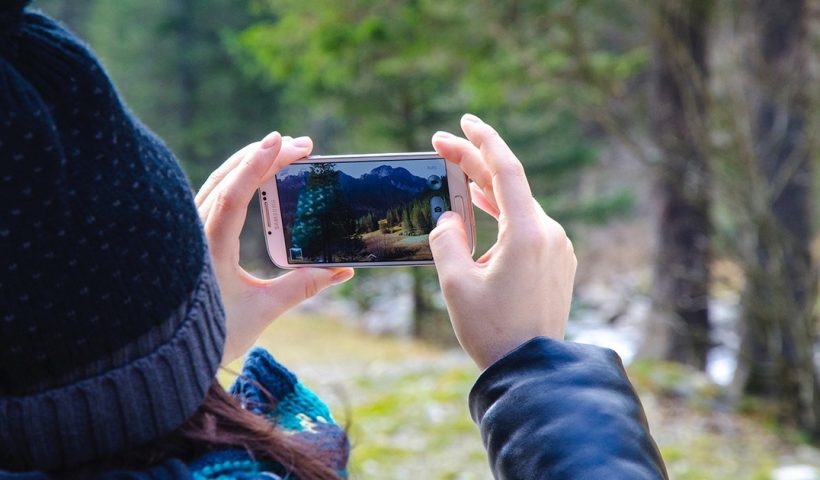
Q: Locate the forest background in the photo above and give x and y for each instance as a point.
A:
(676, 140)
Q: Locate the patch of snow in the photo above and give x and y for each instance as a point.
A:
(796, 472)
(721, 363)
(591, 326)
(620, 341)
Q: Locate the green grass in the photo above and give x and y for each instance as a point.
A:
(404, 402)
(405, 407)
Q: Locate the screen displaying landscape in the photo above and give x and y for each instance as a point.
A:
(372, 211)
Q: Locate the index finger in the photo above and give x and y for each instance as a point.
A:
(512, 191)
(464, 154)
(219, 174)
(227, 213)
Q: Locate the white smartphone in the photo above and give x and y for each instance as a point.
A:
(361, 210)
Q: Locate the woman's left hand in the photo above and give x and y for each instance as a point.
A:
(252, 303)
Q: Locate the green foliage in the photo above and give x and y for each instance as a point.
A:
(368, 66)
(595, 211)
(172, 63)
(212, 75)
(404, 405)
(383, 76)
(406, 224)
(366, 76)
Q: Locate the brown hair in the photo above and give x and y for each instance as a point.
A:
(222, 423)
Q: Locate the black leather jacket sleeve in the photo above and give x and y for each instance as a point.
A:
(562, 410)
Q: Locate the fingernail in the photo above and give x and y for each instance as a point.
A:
(471, 118)
(341, 277)
(301, 142)
(270, 140)
(445, 217)
(442, 134)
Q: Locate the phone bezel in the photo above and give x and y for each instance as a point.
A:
(458, 185)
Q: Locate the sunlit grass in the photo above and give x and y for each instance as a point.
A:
(404, 404)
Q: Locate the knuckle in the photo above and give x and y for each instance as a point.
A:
(486, 129)
(491, 132)
(505, 170)
(512, 167)
(459, 155)
(556, 231)
(481, 136)
(451, 285)
(539, 242)
(448, 282)
(535, 239)
(212, 179)
(253, 164)
(528, 241)
(311, 287)
(225, 200)
(441, 233)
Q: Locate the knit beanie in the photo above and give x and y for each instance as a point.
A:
(111, 323)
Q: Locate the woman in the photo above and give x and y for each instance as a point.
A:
(117, 306)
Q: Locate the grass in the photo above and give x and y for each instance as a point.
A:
(402, 401)
(394, 246)
(405, 407)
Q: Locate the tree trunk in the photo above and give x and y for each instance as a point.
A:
(680, 316)
(777, 351)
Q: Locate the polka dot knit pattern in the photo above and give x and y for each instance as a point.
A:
(110, 318)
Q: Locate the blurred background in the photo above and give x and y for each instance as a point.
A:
(677, 140)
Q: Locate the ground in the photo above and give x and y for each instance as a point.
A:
(396, 246)
(405, 407)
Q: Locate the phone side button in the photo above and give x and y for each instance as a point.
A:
(459, 205)
(461, 210)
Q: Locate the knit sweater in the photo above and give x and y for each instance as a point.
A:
(294, 408)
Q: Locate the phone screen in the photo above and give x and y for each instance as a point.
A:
(361, 211)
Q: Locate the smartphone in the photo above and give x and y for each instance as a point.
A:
(361, 210)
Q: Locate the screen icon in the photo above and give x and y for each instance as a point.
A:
(434, 182)
(436, 208)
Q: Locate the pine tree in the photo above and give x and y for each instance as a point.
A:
(406, 224)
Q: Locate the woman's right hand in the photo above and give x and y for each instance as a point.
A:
(521, 287)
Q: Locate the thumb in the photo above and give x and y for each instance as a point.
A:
(300, 284)
(448, 242)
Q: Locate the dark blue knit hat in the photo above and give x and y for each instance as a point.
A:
(111, 324)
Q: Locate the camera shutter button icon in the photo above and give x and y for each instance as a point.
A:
(436, 208)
